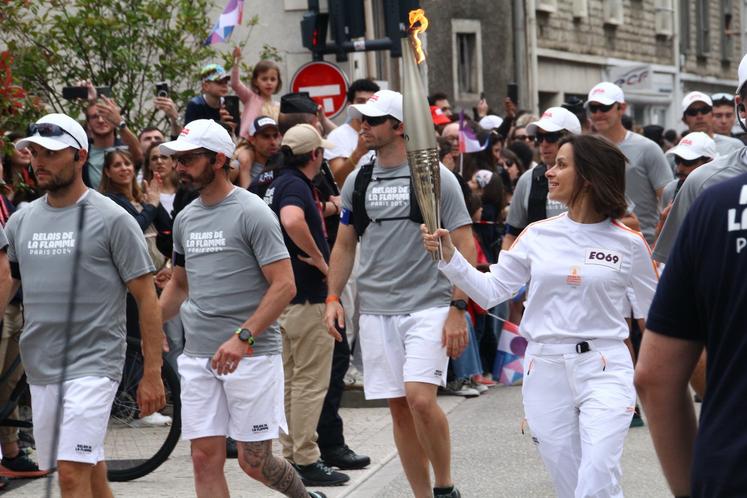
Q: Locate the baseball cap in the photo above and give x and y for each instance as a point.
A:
(303, 138)
(694, 145)
(742, 73)
(299, 102)
(556, 119)
(260, 124)
(693, 97)
(491, 122)
(213, 72)
(606, 93)
(201, 134)
(381, 103)
(438, 116)
(56, 132)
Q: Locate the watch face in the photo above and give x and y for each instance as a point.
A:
(244, 335)
(460, 304)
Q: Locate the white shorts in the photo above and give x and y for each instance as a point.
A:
(402, 348)
(246, 405)
(87, 405)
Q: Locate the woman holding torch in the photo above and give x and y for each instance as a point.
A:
(578, 374)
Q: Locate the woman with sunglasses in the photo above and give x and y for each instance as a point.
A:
(578, 374)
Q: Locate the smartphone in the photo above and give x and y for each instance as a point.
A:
(512, 91)
(104, 91)
(74, 92)
(232, 106)
(162, 89)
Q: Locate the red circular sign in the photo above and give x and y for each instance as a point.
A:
(326, 84)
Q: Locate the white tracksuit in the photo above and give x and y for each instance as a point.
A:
(578, 405)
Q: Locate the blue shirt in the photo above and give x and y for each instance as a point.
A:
(702, 297)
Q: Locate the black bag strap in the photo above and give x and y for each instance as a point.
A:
(537, 208)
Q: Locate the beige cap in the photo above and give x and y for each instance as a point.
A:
(304, 138)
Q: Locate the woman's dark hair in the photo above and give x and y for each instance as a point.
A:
(474, 202)
(294, 161)
(7, 162)
(523, 152)
(262, 67)
(493, 193)
(444, 147)
(600, 171)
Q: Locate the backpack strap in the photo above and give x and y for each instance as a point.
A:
(360, 216)
(537, 208)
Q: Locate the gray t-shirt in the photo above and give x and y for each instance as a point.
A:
(647, 171)
(113, 251)
(667, 195)
(257, 169)
(518, 212)
(396, 274)
(95, 165)
(716, 171)
(225, 247)
(726, 145)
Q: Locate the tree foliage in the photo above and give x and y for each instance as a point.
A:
(127, 45)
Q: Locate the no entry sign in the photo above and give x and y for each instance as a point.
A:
(326, 84)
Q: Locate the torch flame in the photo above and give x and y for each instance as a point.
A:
(418, 16)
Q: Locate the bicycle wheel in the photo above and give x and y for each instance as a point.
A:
(134, 449)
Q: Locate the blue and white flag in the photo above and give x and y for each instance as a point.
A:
(229, 19)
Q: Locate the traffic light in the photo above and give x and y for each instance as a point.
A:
(314, 31)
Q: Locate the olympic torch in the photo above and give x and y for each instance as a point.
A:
(420, 139)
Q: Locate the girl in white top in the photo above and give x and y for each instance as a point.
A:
(578, 374)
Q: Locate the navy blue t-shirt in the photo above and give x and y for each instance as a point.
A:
(198, 108)
(292, 188)
(702, 296)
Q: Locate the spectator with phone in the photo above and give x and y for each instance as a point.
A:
(165, 104)
(209, 104)
(107, 129)
(257, 98)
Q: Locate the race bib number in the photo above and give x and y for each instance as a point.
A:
(603, 257)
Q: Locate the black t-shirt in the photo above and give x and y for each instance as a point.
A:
(702, 296)
(327, 188)
(198, 108)
(292, 188)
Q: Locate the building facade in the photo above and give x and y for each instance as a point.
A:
(656, 50)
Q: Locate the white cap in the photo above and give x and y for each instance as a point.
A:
(381, 103)
(73, 135)
(303, 138)
(742, 73)
(556, 119)
(694, 145)
(606, 93)
(693, 97)
(201, 134)
(491, 122)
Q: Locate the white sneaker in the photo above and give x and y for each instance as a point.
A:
(153, 420)
(459, 388)
(480, 388)
(353, 377)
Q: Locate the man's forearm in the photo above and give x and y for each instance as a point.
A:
(171, 300)
(340, 266)
(151, 332)
(130, 140)
(300, 234)
(277, 297)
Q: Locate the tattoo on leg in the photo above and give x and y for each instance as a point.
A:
(277, 472)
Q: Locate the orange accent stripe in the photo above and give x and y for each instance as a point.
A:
(618, 224)
(532, 224)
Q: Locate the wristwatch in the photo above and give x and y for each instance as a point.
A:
(122, 125)
(245, 335)
(459, 304)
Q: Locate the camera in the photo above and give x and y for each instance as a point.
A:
(162, 89)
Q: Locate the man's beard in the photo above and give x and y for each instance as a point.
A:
(59, 182)
(199, 183)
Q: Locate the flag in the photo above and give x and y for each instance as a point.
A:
(508, 368)
(229, 19)
(468, 142)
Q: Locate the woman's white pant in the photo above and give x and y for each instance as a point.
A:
(578, 407)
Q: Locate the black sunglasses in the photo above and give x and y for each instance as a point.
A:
(687, 163)
(550, 138)
(187, 159)
(374, 120)
(51, 130)
(698, 110)
(594, 108)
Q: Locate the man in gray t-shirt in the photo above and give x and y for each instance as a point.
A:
(407, 326)
(44, 241)
(232, 278)
(648, 170)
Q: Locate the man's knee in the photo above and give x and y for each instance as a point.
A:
(208, 457)
(73, 475)
(253, 456)
(422, 402)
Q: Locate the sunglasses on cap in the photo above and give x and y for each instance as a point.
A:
(550, 138)
(687, 162)
(594, 107)
(51, 130)
(375, 120)
(698, 110)
(722, 98)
